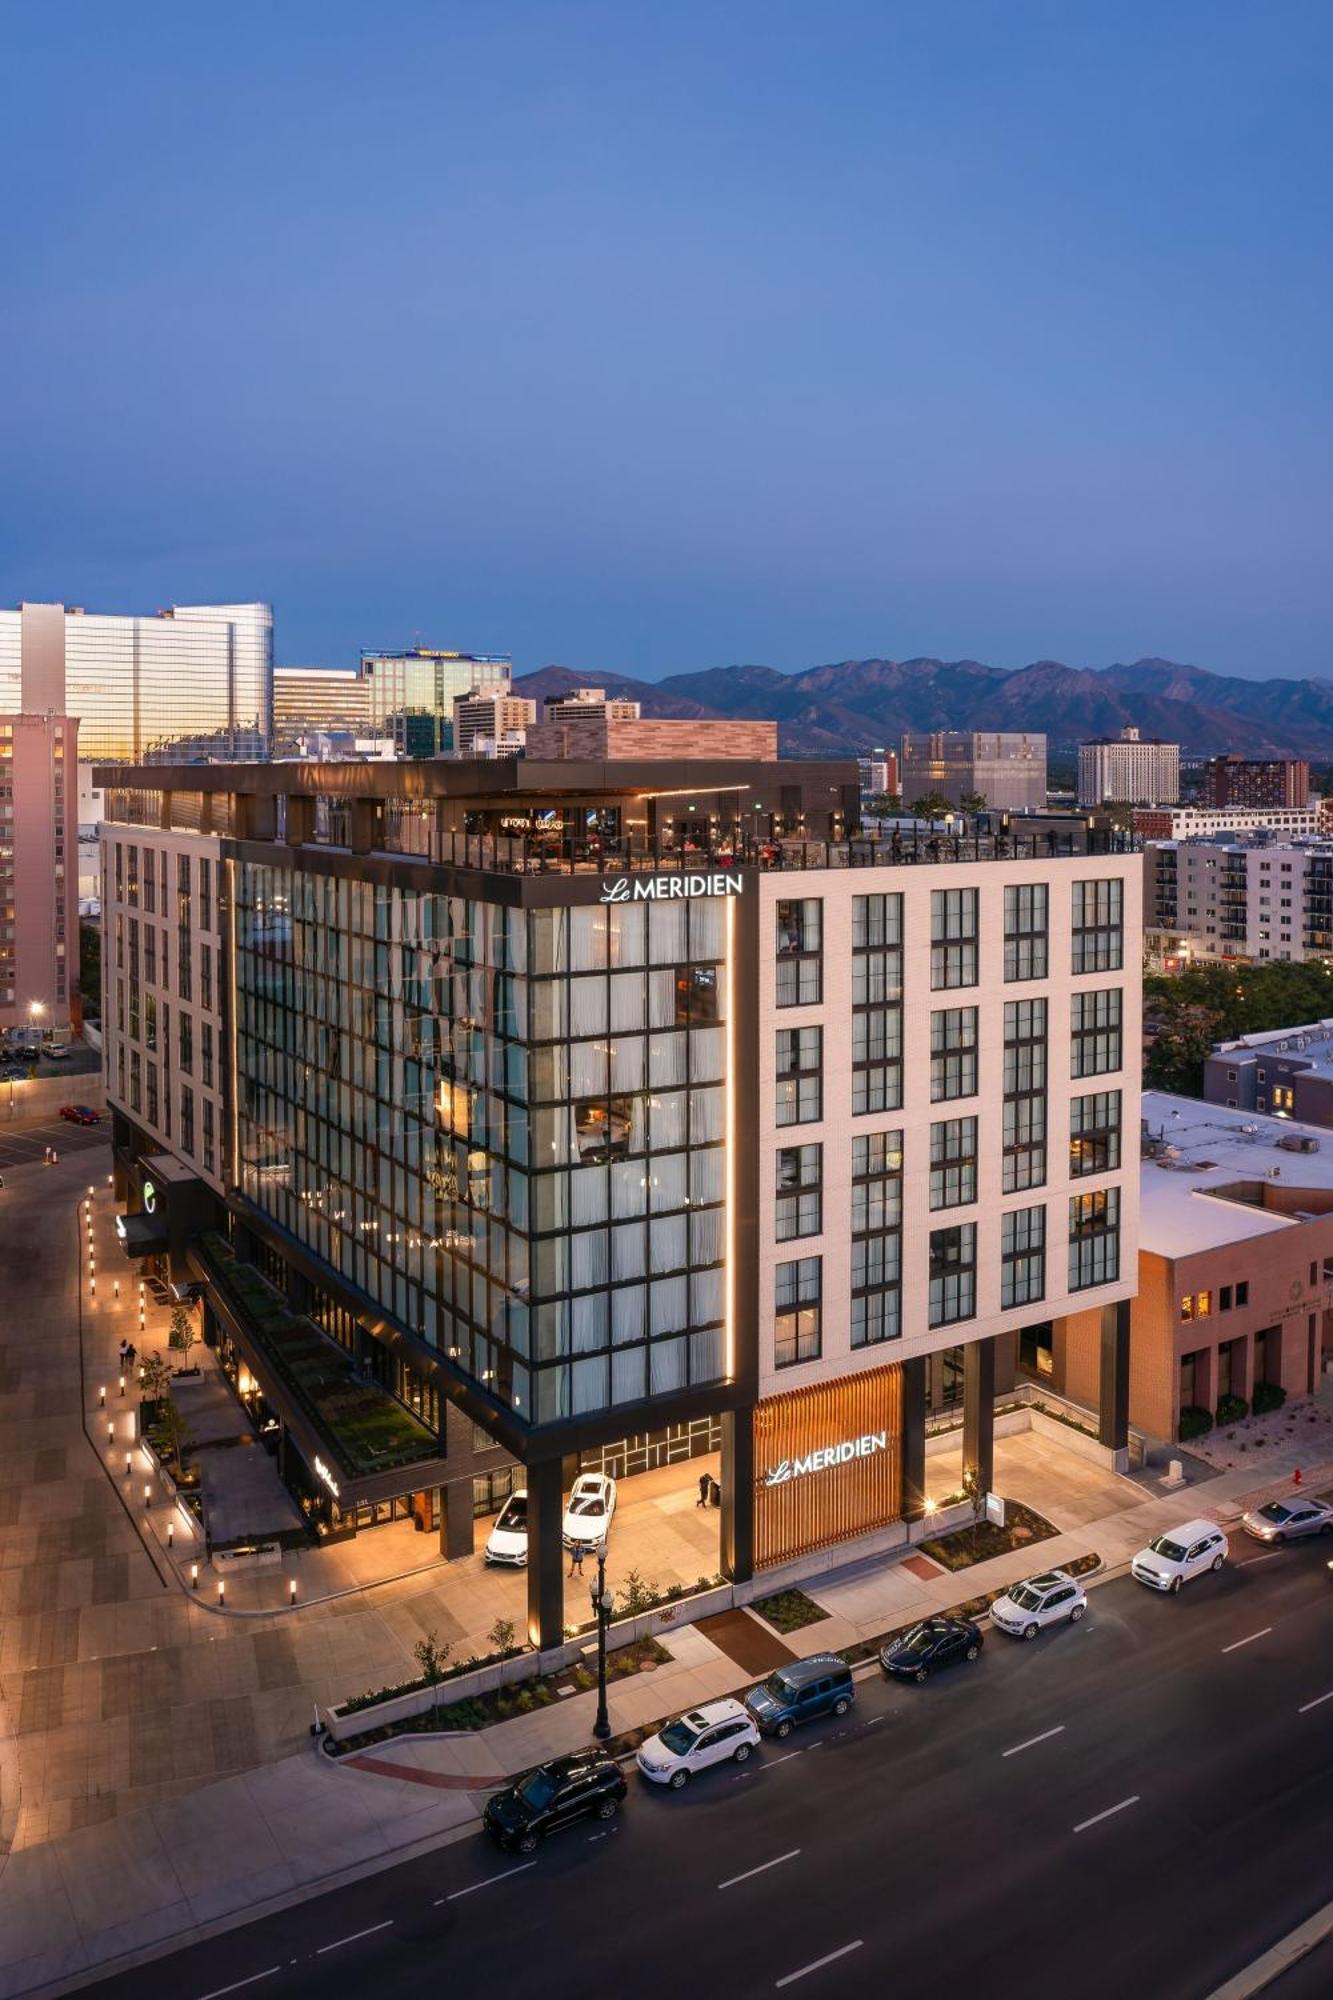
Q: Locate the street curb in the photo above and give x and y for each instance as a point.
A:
(1279, 1958)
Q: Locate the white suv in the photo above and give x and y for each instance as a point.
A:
(1173, 1558)
(717, 1732)
(1042, 1600)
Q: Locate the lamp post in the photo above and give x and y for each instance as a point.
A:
(601, 1604)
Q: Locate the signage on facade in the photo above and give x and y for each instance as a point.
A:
(322, 1472)
(826, 1457)
(149, 1197)
(670, 888)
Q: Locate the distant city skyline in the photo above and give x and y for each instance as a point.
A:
(641, 342)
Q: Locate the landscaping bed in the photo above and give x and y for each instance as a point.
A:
(480, 1711)
(789, 1610)
(980, 1541)
(972, 1607)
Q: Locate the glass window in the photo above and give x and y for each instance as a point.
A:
(799, 1201)
(800, 979)
(800, 1087)
(877, 1199)
(1094, 1133)
(1098, 926)
(1023, 1141)
(953, 937)
(953, 1053)
(1094, 1239)
(877, 995)
(797, 1311)
(1095, 1032)
(1025, 930)
(953, 1162)
(953, 1273)
(1022, 1257)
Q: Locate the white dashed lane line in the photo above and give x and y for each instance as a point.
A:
(815, 1964)
(1110, 1813)
(489, 1883)
(1318, 1702)
(1032, 1741)
(352, 1937)
(237, 1984)
(1248, 1640)
(762, 1869)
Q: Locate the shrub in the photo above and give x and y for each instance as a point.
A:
(1230, 1409)
(1268, 1396)
(1195, 1422)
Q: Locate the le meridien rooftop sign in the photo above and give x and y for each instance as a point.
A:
(827, 1457)
(670, 888)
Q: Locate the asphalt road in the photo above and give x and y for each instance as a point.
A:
(28, 1142)
(1140, 1804)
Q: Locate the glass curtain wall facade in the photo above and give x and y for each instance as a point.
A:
(506, 1126)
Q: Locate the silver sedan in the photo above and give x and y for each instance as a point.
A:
(1284, 1520)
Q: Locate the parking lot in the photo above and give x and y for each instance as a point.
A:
(29, 1142)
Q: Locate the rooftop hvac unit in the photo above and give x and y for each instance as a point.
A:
(1249, 1130)
(1297, 1142)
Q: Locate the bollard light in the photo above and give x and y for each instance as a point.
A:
(222, 1591)
(194, 1576)
(171, 1532)
(128, 1465)
(101, 1396)
(122, 1385)
(111, 1434)
(292, 1591)
(147, 1494)
(115, 1288)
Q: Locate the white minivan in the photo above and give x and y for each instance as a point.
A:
(1181, 1553)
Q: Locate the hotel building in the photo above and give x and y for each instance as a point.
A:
(1128, 770)
(39, 864)
(601, 1114)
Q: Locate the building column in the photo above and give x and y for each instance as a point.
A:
(737, 1542)
(914, 1437)
(457, 1524)
(1113, 1387)
(546, 1564)
(979, 1412)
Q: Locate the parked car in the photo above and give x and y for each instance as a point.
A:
(800, 1691)
(1285, 1520)
(1173, 1558)
(589, 1509)
(80, 1114)
(935, 1642)
(507, 1542)
(1043, 1600)
(718, 1733)
(554, 1795)
(55, 1051)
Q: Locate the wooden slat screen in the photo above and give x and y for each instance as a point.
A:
(829, 1502)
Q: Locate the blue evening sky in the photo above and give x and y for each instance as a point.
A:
(656, 337)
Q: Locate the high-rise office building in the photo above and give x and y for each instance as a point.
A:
(39, 862)
(587, 1121)
(1005, 768)
(494, 718)
(1128, 770)
(426, 681)
(1247, 782)
(200, 671)
(315, 699)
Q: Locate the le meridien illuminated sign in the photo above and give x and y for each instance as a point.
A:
(670, 888)
(322, 1472)
(827, 1457)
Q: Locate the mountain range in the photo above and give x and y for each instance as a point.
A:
(850, 706)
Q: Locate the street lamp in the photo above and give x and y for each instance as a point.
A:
(601, 1604)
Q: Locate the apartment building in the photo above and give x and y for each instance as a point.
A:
(1243, 901)
(1288, 1072)
(1208, 823)
(878, 773)
(202, 672)
(39, 869)
(1235, 1279)
(602, 1122)
(491, 722)
(1235, 781)
(1006, 769)
(1128, 770)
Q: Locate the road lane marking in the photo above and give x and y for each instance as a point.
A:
(504, 1876)
(771, 1764)
(815, 1965)
(236, 1986)
(1097, 1818)
(1235, 1645)
(1318, 1702)
(1045, 1737)
(762, 1869)
(1266, 1557)
(352, 1938)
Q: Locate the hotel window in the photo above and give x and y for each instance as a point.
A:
(1025, 930)
(800, 974)
(796, 1298)
(151, 1106)
(187, 1119)
(799, 1203)
(877, 1209)
(1094, 1133)
(149, 955)
(1094, 1239)
(208, 1135)
(1095, 1032)
(800, 1080)
(877, 1003)
(696, 996)
(150, 1022)
(1022, 1256)
(205, 896)
(953, 1274)
(136, 1067)
(1243, 1292)
(185, 1035)
(953, 1162)
(206, 975)
(953, 1053)
(1099, 939)
(206, 1053)
(1223, 1299)
(1024, 1110)
(953, 938)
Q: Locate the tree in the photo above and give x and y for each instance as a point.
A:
(184, 1331)
(973, 802)
(637, 1594)
(175, 1432)
(933, 806)
(975, 1493)
(433, 1658)
(156, 1376)
(501, 1635)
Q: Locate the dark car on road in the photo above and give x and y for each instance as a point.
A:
(80, 1114)
(935, 1642)
(552, 1796)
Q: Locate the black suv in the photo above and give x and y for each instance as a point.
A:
(554, 1795)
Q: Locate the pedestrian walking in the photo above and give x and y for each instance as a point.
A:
(124, 1352)
(704, 1482)
(714, 1493)
(130, 1353)
(576, 1555)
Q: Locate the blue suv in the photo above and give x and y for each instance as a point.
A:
(821, 1685)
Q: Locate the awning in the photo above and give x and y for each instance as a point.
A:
(142, 1235)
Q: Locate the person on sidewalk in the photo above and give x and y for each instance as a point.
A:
(576, 1555)
(124, 1353)
(704, 1483)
